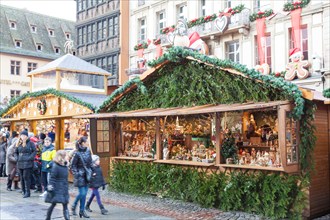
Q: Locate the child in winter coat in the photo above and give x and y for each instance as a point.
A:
(96, 182)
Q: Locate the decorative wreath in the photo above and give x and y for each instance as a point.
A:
(42, 106)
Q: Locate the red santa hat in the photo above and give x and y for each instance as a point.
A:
(193, 37)
(294, 51)
(34, 139)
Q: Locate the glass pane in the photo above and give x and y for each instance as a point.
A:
(99, 125)
(99, 135)
(106, 147)
(44, 81)
(82, 82)
(291, 140)
(106, 136)
(100, 147)
(105, 125)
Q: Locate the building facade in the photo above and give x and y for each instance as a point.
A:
(102, 36)
(28, 40)
(239, 41)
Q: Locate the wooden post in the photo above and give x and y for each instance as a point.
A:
(217, 137)
(62, 131)
(58, 138)
(159, 149)
(33, 126)
(58, 79)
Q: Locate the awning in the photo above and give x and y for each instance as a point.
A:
(186, 110)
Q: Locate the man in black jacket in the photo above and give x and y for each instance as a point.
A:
(25, 153)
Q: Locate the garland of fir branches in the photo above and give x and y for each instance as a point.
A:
(326, 93)
(290, 6)
(55, 92)
(176, 54)
(261, 14)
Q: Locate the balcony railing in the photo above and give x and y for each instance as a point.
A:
(236, 21)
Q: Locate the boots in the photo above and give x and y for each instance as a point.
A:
(87, 208)
(83, 214)
(66, 214)
(73, 209)
(103, 210)
(49, 212)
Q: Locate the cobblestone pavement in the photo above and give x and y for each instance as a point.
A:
(168, 207)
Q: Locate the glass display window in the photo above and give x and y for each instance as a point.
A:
(103, 136)
(291, 140)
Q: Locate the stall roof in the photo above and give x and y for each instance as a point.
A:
(70, 63)
(186, 110)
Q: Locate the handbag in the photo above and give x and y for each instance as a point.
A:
(87, 170)
(16, 177)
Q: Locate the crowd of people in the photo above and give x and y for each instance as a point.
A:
(34, 162)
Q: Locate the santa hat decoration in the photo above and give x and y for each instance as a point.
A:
(194, 39)
(294, 51)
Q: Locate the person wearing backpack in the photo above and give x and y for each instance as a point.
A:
(96, 182)
(47, 155)
(58, 186)
(82, 160)
(25, 153)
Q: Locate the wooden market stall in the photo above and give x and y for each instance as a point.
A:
(191, 110)
(66, 87)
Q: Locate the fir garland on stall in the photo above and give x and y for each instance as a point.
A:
(290, 6)
(52, 91)
(326, 93)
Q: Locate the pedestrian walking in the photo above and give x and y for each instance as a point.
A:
(25, 153)
(96, 182)
(81, 161)
(58, 186)
(3, 152)
(11, 162)
(47, 155)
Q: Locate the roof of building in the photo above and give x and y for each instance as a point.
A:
(93, 99)
(24, 21)
(70, 63)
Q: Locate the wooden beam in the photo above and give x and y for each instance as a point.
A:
(159, 149)
(217, 137)
(307, 94)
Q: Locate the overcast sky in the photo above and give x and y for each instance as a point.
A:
(65, 9)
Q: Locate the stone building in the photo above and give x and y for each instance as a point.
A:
(28, 41)
(102, 36)
(239, 41)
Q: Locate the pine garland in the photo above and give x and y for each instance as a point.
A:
(176, 54)
(143, 45)
(290, 6)
(326, 93)
(14, 102)
(261, 14)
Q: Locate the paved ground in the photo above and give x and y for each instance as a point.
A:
(121, 206)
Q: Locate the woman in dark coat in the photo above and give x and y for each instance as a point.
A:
(81, 157)
(3, 152)
(25, 154)
(58, 187)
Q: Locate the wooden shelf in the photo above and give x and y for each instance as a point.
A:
(184, 162)
(176, 140)
(251, 167)
(134, 131)
(133, 158)
(256, 146)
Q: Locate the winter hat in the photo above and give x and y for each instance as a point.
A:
(95, 158)
(24, 132)
(14, 134)
(42, 136)
(34, 139)
(294, 51)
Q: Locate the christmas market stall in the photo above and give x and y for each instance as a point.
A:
(217, 133)
(66, 87)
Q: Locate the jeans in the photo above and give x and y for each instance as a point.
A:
(98, 197)
(44, 179)
(81, 197)
(26, 179)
